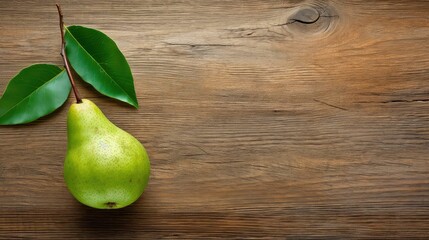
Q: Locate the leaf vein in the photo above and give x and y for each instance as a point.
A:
(32, 93)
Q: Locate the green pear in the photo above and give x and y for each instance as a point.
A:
(105, 166)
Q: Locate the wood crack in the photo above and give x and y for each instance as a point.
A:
(293, 20)
(331, 105)
(407, 101)
(193, 45)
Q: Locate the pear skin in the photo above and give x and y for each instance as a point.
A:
(105, 167)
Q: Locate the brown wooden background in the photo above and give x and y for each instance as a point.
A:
(263, 119)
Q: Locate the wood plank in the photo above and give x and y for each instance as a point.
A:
(262, 119)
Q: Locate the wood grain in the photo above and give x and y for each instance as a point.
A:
(263, 119)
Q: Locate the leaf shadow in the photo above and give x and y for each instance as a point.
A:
(99, 96)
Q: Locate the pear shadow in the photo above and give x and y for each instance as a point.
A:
(108, 223)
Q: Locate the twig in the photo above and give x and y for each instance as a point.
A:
(64, 56)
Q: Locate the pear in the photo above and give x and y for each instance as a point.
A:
(105, 167)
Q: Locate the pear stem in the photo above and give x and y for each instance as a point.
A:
(64, 56)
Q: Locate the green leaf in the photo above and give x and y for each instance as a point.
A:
(34, 92)
(99, 62)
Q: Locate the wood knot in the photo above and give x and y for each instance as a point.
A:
(316, 18)
(306, 15)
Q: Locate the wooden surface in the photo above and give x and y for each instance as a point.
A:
(262, 119)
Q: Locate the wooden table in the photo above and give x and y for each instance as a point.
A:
(262, 119)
